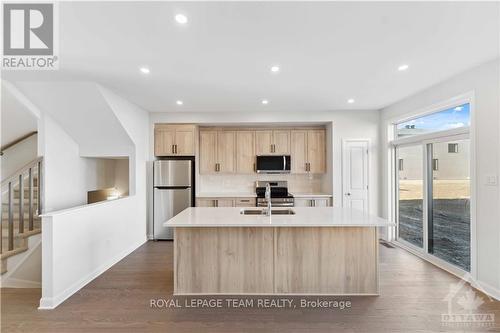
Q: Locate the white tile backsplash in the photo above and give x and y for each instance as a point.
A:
(246, 183)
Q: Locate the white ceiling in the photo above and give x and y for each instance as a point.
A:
(219, 61)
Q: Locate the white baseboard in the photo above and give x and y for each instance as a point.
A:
(479, 285)
(487, 289)
(49, 303)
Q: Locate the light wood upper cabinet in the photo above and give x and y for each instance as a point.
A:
(281, 142)
(208, 151)
(174, 140)
(298, 151)
(226, 146)
(316, 151)
(185, 141)
(233, 150)
(308, 151)
(263, 142)
(164, 141)
(245, 152)
(217, 152)
(272, 142)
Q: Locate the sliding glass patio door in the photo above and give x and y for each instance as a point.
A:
(410, 194)
(433, 198)
(449, 202)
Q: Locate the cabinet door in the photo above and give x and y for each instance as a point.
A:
(205, 203)
(164, 141)
(245, 152)
(208, 152)
(298, 151)
(281, 142)
(316, 151)
(184, 139)
(302, 202)
(225, 203)
(321, 202)
(263, 142)
(226, 146)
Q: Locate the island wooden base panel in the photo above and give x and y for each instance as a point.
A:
(286, 261)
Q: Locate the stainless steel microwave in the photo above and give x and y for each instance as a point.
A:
(273, 164)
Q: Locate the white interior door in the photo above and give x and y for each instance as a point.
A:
(355, 174)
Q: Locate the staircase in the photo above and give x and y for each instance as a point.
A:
(20, 210)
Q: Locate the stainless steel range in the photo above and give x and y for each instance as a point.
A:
(279, 194)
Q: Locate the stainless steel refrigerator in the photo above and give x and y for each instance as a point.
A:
(173, 192)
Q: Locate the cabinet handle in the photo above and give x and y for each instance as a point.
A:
(173, 149)
(254, 167)
(176, 149)
(216, 203)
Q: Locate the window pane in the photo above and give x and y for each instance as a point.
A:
(455, 117)
(410, 179)
(449, 218)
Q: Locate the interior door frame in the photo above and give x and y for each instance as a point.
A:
(368, 155)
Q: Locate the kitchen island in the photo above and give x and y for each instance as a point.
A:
(297, 251)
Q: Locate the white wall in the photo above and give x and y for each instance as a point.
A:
(352, 124)
(81, 243)
(65, 172)
(484, 81)
(18, 156)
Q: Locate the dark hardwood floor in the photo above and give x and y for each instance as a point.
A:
(411, 300)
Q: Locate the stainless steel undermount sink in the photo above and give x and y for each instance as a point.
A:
(262, 212)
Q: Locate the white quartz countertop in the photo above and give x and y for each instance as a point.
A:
(303, 217)
(253, 195)
(226, 195)
(310, 195)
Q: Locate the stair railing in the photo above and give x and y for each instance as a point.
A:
(8, 186)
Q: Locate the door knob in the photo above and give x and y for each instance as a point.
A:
(348, 194)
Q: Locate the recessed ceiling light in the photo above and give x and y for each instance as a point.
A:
(265, 101)
(181, 19)
(144, 70)
(350, 100)
(179, 102)
(403, 67)
(275, 69)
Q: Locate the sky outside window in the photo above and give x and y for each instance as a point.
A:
(455, 117)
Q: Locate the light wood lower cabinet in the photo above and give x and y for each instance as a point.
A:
(312, 202)
(225, 202)
(280, 260)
